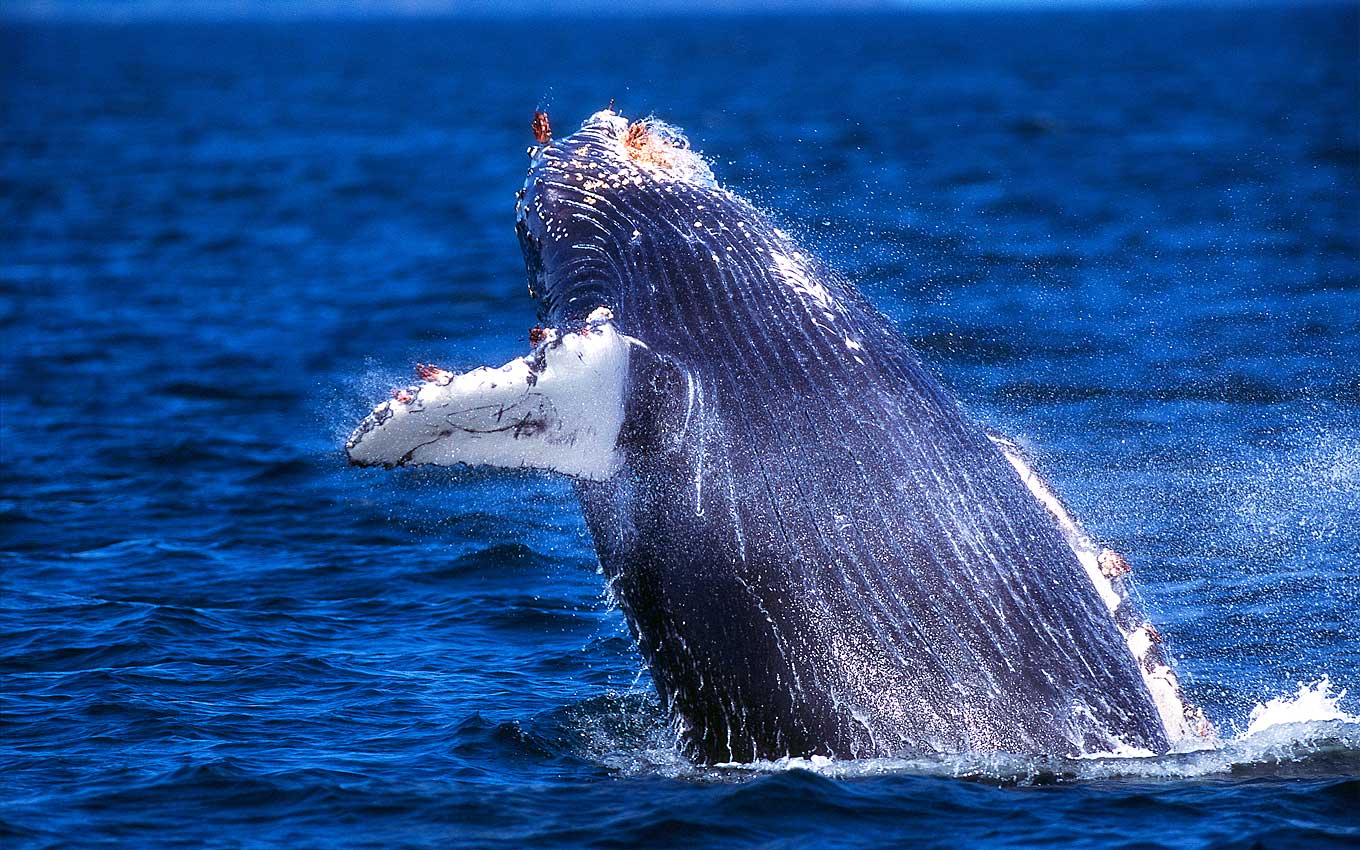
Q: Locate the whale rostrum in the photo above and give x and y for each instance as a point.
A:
(817, 550)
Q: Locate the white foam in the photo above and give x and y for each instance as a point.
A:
(1123, 751)
(1313, 730)
(1309, 704)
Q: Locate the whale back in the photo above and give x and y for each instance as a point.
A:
(816, 549)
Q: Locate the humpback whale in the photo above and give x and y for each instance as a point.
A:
(817, 550)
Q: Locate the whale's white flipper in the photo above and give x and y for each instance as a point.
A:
(559, 409)
(1185, 723)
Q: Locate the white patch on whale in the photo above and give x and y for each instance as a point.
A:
(1185, 725)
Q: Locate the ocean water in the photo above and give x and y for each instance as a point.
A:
(1130, 239)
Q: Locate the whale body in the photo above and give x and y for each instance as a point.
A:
(817, 551)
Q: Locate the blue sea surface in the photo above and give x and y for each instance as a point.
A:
(1130, 239)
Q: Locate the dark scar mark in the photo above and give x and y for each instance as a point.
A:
(525, 426)
(410, 455)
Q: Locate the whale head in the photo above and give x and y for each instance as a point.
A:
(597, 220)
(593, 201)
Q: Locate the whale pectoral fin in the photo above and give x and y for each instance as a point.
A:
(1184, 722)
(559, 409)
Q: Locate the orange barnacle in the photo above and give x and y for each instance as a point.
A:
(431, 372)
(644, 146)
(542, 129)
(1112, 564)
(636, 137)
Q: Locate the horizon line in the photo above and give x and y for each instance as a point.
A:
(244, 11)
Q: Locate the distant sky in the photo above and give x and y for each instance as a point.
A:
(136, 9)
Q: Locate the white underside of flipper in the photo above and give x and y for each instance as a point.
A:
(1185, 724)
(559, 409)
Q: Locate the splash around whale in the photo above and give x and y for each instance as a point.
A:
(818, 552)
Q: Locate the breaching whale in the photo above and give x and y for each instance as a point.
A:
(817, 551)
